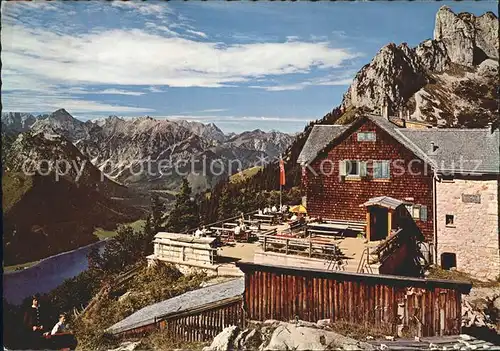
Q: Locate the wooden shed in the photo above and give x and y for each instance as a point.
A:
(391, 304)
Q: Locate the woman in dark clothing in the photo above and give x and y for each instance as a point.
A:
(33, 321)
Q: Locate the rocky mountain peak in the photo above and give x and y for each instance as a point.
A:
(17, 121)
(62, 115)
(469, 40)
(437, 80)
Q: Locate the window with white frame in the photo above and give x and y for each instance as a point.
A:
(381, 170)
(353, 168)
(417, 211)
(366, 136)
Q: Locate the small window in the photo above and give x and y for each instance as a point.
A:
(366, 136)
(423, 213)
(448, 260)
(381, 170)
(416, 212)
(352, 168)
(450, 220)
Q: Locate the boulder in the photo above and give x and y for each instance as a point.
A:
(224, 340)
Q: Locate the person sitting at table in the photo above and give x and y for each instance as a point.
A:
(204, 231)
(274, 209)
(60, 326)
(266, 210)
(198, 233)
(242, 225)
(294, 217)
(59, 337)
(260, 212)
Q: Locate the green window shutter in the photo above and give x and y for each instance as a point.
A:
(386, 169)
(423, 213)
(362, 169)
(376, 169)
(343, 168)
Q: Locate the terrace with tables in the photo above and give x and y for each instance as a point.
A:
(276, 239)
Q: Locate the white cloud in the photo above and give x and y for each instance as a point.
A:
(156, 90)
(200, 34)
(162, 29)
(144, 8)
(235, 119)
(119, 92)
(134, 57)
(51, 102)
(330, 81)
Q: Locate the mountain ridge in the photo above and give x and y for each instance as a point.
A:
(436, 80)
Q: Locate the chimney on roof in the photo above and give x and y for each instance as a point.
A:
(385, 109)
(433, 148)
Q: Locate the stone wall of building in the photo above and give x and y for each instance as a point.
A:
(473, 237)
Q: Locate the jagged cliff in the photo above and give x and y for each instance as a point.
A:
(450, 80)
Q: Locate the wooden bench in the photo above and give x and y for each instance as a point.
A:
(264, 218)
(296, 245)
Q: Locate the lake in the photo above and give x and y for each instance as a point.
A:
(47, 274)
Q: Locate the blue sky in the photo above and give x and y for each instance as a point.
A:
(241, 65)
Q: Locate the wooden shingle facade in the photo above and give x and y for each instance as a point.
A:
(447, 179)
(331, 195)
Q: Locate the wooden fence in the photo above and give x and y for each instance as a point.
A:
(391, 304)
(204, 325)
(200, 324)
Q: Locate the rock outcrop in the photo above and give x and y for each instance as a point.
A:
(276, 335)
(481, 309)
(439, 80)
(468, 39)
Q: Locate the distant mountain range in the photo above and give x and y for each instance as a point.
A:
(101, 184)
(120, 147)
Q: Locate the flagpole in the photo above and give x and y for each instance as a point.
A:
(281, 186)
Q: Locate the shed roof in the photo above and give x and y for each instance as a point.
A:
(187, 301)
(384, 201)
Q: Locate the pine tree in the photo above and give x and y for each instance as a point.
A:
(184, 215)
(157, 216)
(225, 208)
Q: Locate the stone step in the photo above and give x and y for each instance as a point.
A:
(229, 270)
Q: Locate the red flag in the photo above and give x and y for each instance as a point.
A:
(282, 172)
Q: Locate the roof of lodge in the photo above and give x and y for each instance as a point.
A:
(187, 301)
(384, 201)
(319, 138)
(470, 151)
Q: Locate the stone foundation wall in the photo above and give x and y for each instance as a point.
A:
(473, 237)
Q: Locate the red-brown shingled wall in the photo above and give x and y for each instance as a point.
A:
(330, 197)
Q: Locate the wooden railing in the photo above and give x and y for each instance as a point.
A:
(310, 247)
(388, 246)
(364, 262)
